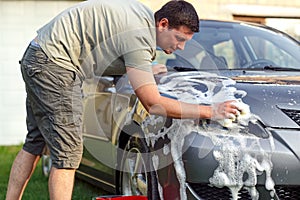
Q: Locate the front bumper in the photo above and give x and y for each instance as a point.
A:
(200, 165)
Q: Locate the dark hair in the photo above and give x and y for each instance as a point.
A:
(179, 13)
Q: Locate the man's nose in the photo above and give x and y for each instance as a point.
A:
(181, 45)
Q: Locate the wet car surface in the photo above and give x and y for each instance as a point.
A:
(127, 151)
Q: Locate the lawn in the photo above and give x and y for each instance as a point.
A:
(38, 187)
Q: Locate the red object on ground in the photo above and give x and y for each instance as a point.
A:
(171, 192)
(121, 198)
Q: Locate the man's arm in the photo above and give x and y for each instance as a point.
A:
(146, 90)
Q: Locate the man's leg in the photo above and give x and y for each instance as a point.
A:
(61, 183)
(54, 101)
(21, 171)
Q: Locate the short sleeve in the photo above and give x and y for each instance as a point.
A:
(140, 59)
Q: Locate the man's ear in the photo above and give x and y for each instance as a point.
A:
(163, 24)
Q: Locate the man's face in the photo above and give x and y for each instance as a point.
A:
(172, 39)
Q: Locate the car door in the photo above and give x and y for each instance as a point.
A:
(98, 157)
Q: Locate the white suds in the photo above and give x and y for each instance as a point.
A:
(237, 168)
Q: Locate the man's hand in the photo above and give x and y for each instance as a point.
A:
(225, 110)
(159, 69)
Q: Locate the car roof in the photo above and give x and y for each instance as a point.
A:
(230, 23)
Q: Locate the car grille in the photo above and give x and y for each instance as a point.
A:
(288, 192)
(293, 114)
(206, 192)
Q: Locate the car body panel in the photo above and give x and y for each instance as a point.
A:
(269, 98)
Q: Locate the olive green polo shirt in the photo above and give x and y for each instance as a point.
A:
(100, 37)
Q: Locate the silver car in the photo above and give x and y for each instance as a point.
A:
(256, 156)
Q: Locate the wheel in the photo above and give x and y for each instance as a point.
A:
(137, 176)
(46, 165)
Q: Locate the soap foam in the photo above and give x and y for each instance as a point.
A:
(237, 168)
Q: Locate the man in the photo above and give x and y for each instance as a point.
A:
(94, 38)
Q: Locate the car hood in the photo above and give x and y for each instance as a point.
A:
(273, 96)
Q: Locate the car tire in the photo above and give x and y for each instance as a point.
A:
(137, 174)
(46, 165)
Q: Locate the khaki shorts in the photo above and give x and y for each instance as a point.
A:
(54, 109)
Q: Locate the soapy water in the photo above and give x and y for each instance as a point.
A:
(237, 167)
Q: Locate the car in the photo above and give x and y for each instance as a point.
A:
(255, 156)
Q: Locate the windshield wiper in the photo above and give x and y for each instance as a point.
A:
(271, 68)
(184, 69)
(280, 68)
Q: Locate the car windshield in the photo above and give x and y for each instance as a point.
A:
(223, 45)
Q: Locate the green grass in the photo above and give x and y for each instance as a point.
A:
(37, 187)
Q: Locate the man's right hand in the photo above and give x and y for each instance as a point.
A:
(225, 110)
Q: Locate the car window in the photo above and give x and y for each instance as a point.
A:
(226, 51)
(234, 46)
(266, 49)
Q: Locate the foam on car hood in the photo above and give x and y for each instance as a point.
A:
(233, 155)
